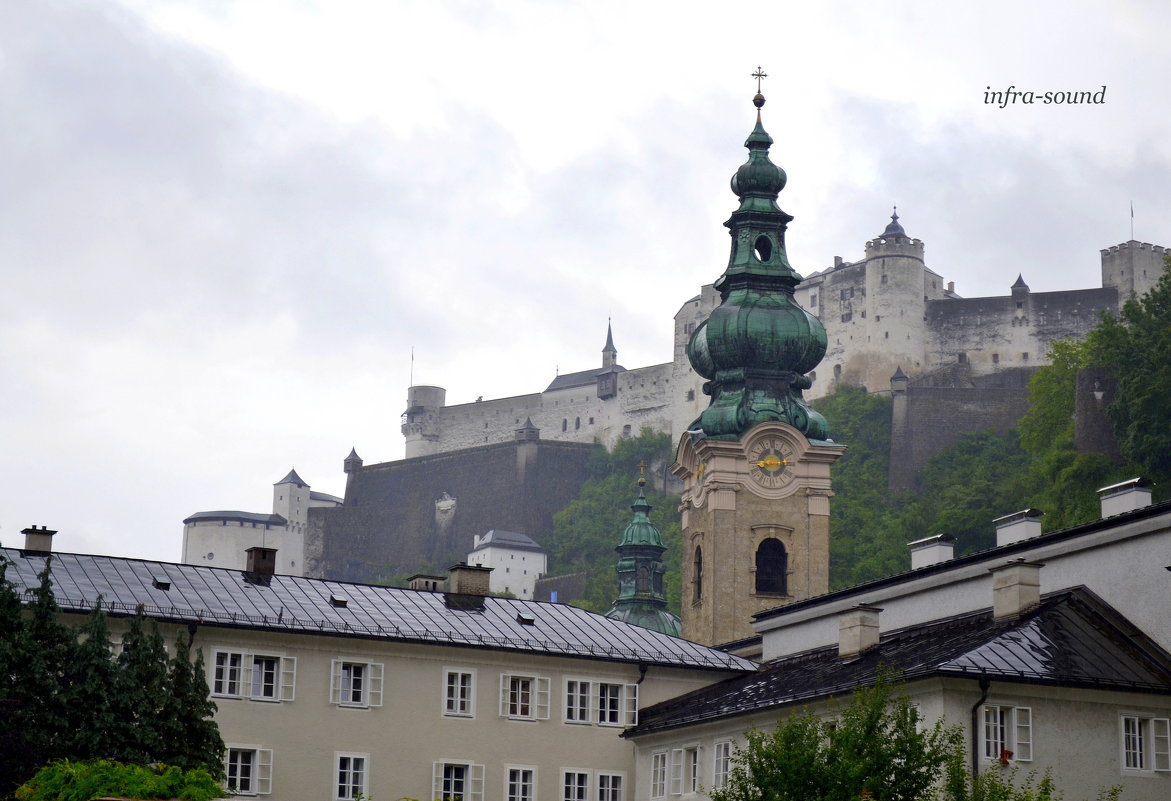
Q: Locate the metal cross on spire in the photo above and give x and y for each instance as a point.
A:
(759, 75)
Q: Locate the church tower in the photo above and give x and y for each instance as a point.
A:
(642, 599)
(756, 463)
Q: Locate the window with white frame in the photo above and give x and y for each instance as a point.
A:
(610, 786)
(457, 781)
(520, 784)
(721, 764)
(248, 769)
(273, 677)
(1008, 733)
(617, 704)
(226, 674)
(575, 785)
(658, 774)
(352, 772)
(684, 770)
(577, 701)
(524, 697)
(1146, 743)
(355, 684)
(261, 677)
(459, 693)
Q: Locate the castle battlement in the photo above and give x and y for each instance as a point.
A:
(1133, 245)
(896, 246)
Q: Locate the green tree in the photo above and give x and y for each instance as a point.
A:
(141, 691)
(873, 749)
(89, 683)
(190, 734)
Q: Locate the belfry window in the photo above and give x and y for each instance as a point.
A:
(763, 250)
(697, 573)
(772, 567)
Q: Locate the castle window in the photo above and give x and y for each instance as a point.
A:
(884, 279)
(697, 573)
(591, 421)
(886, 335)
(691, 394)
(837, 371)
(813, 299)
(565, 425)
(847, 317)
(577, 424)
(1025, 356)
(962, 357)
(772, 567)
(626, 430)
(996, 358)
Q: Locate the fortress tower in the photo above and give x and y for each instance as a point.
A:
(756, 464)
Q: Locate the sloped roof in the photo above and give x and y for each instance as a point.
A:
(298, 605)
(507, 539)
(1073, 639)
(583, 378)
(240, 517)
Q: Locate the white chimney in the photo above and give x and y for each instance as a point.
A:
(858, 630)
(1018, 526)
(932, 550)
(1125, 496)
(1016, 588)
(38, 539)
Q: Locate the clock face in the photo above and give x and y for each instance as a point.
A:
(770, 462)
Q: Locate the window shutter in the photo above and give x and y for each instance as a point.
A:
(374, 693)
(1161, 736)
(335, 682)
(476, 782)
(437, 779)
(288, 688)
(676, 771)
(631, 704)
(264, 771)
(1023, 720)
(504, 678)
(543, 693)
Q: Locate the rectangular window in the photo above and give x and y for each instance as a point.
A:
(248, 770)
(356, 684)
(457, 781)
(1146, 743)
(524, 697)
(1008, 733)
(610, 704)
(520, 784)
(610, 786)
(577, 701)
(351, 776)
(722, 764)
(458, 689)
(226, 674)
(575, 785)
(658, 774)
(675, 772)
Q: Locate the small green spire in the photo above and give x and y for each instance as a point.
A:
(758, 344)
(642, 600)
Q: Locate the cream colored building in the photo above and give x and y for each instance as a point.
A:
(336, 691)
(1049, 648)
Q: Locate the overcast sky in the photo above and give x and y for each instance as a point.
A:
(224, 225)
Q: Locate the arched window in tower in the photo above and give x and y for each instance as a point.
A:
(772, 567)
(763, 250)
(644, 581)
(697, 572)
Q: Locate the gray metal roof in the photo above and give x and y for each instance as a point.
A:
(584, 378)
(294, 604)
(242, 517)
(508, 539)
(1073, 639)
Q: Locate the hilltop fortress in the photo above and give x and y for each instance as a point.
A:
(892, 323)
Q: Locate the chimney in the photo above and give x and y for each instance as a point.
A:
(421, 581)
(1016, 588)
(39, 540)
(932, 550)
(1125, 496)
(465, 579)
(261, 561)
(858, 630)
(1018, 526)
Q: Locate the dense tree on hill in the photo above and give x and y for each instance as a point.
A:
(586, 531)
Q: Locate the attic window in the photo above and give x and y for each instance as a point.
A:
(525, 618)
(161, 582)
(340, 601)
